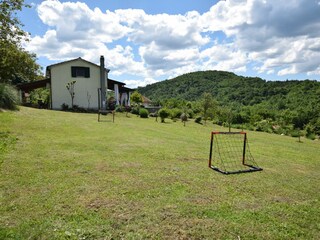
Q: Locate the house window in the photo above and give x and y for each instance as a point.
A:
(80, 72)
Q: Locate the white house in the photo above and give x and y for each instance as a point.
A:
(91, 84)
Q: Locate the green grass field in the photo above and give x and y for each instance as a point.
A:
(67, 176)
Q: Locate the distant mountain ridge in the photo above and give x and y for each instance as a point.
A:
(228, 88)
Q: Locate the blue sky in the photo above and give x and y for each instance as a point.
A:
(145, 41)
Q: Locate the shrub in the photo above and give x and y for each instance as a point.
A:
(8, 97)
(190, 113)
(78, 109)
(143, 113)
(119, 109)
(164, 113)
(176, 113)
(311, 136)
(264, 126)
(135, 110)
(198, 119)
(184, 118)
(295, 133)
(64, 107)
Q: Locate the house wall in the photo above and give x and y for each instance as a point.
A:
(61, 75)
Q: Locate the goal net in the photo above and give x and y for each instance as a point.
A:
(230, 153)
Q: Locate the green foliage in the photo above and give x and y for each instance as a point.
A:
(184, 118)
(40, 94)
(135, 110)
(243, 100)
(163, 114)
(264, 126)
(16, 64)
(120, 109)
(190, 113)
(208, 105)
(198, 119)
(10, 25)
(175, 112)
(144, 113)
(136, 97)
(8, 97)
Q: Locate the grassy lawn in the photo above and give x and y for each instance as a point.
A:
(69, 177)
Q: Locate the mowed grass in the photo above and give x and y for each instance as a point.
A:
(71, 177)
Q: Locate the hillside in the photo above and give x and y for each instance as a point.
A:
(67, 176)
(230, 88)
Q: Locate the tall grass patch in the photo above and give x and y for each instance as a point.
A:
(8, 97)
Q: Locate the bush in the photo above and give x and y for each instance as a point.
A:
(264, 126)
(78, 109)
(184, 117)
(143, 113)
(198, 119)
(119, 109)
(64, 107)
(295, 133)
(135, 110)
(164, 113)
(8, 97)
(190, 113)
(311, 136)
(176, 113)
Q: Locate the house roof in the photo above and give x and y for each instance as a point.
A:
(145, 99)
(26, 87)
(76, 59)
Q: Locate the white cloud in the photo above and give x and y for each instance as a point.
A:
(140, 82)
(76, 20)
(281, 36)
(164, 30)
(275, 37)
(224, 57)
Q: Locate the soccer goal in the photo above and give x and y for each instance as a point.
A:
(230, 153)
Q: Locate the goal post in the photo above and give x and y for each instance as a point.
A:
(230, 153)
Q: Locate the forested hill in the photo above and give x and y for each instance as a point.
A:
(228, 88)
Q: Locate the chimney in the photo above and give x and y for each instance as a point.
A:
(102, 84)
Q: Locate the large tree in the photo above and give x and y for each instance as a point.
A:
(16, 64)
(10, 25)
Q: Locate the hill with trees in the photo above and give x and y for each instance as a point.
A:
(273, 106)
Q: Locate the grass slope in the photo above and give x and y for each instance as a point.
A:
(70, 177)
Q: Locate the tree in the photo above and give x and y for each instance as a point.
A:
(184, 118)
(136, 97)
(164, 113)
(16, 64)
(10, 25)
(208, 105)
(226, 116)
(70, 87)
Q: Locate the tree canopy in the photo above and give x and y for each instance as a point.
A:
(16, 64)
(273, 106)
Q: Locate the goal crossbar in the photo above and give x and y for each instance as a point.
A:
(230, 153)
